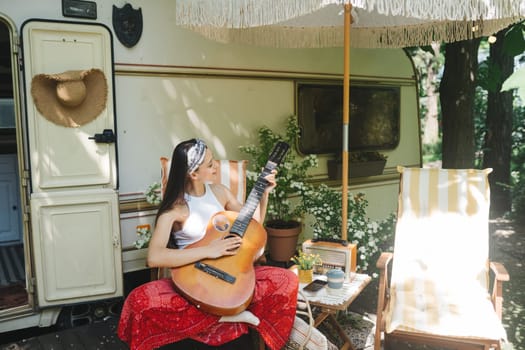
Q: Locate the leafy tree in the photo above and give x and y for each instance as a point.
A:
(497, 143)
(428, 61)
(515, 45)
(457, 91)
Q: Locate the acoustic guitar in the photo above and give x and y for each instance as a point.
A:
(225, 286)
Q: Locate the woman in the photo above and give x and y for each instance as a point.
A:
(154, 314)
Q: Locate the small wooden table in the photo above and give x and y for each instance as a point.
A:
(330, 301)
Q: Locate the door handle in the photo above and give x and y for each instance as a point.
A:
(107, 136)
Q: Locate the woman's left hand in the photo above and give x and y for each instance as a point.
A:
(272, 182)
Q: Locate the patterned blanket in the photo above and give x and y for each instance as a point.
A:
(154, 314)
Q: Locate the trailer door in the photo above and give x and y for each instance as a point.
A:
(74, 199)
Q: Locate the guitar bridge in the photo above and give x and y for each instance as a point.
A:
(215, 272)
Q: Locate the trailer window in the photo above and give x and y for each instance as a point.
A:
(374, 117)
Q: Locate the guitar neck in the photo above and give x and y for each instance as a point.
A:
(246, 213)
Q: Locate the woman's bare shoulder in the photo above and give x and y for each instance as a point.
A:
(221, 192)
(177, 213)
(226, 197)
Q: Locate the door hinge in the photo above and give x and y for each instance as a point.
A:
(25, 177)
(116, 241)
(31, 286)
(16, 44)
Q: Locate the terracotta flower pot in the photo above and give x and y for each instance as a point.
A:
(282, 242)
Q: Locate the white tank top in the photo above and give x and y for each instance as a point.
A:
(201, 210)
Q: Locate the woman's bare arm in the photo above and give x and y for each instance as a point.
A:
(161, 256)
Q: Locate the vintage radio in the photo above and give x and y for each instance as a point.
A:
(334, 255)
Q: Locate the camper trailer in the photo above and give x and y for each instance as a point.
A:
(72, 185)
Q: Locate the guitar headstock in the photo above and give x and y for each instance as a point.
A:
(277, 155)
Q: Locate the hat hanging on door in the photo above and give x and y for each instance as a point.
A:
(72, 98)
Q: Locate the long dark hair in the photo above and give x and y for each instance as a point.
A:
(177, 179)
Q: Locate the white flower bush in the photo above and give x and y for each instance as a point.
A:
(325, 205)
(292, 174)
(143, 236)
(153, 194)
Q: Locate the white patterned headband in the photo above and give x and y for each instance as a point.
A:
(196, 155)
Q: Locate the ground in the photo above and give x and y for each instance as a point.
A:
(508, 248)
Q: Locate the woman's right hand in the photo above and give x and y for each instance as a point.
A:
(226, 246)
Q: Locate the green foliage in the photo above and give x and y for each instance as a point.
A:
(516, 81)
(489, 76)
(143, 237)
(365, 156)
(307, 261)
(292, 173)
(431, 152)
(152, 194)
(325, 204)
(514, 43)
(518, 166)
(480, 125)
(518, 201)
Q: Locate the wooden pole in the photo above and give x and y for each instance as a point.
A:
(346, 116)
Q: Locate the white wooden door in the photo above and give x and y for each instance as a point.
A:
(75, 240)
(74, 199)
(63, 156)
(9, 201)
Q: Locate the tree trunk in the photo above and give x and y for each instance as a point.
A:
(431, 121)
(498, 138)
(457, 91)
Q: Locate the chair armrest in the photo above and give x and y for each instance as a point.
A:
(383, 292)
(383, 260)
(500, 275)
(500, 272)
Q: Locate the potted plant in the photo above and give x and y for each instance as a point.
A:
(143, 236)
(152, 194)
(361, 164)
(285, 207)
(325, 203)
(305, 265)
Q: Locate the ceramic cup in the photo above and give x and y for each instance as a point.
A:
(335, 278)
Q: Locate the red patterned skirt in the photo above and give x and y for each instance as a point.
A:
(154, 314)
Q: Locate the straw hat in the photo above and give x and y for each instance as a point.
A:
(72, 98)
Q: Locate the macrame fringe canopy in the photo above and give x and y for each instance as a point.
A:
(319, 23)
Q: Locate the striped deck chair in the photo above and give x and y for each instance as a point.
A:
(438, 290)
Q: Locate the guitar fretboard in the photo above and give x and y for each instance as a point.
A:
(243, 219)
